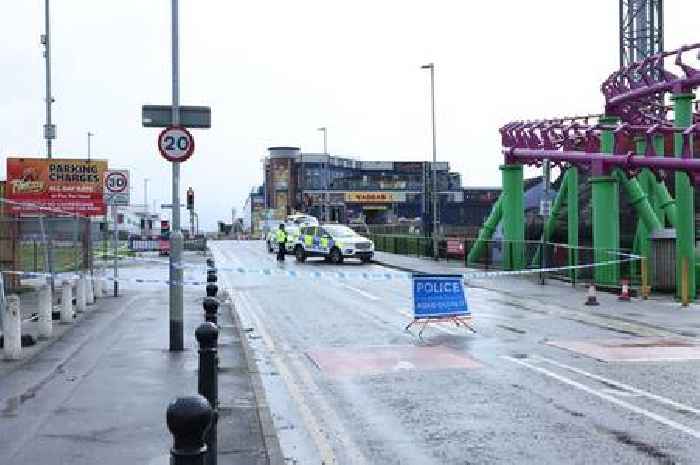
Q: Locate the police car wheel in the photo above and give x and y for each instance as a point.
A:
(336, 257)
(300, 254)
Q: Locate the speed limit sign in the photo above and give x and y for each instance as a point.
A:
(176, 143)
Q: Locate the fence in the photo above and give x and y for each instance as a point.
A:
(45, 243)
(493, 256)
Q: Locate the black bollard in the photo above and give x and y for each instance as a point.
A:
(189, 419)
(207, 335)
(212, 289)
(211, 310)
(210, 262)
(212, 278)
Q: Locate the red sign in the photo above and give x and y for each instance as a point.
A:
(56, 186)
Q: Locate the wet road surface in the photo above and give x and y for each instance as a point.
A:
(347, 385)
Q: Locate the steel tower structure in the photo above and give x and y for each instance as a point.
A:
(641, 30)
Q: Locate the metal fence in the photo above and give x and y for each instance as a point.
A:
(45, 243)
(534, 255)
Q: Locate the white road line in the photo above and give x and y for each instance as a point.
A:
(623, 386)
(359, 291)
(621, 403)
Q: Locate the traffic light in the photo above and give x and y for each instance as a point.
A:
(190, 199)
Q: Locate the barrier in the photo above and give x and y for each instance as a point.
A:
(439, 298)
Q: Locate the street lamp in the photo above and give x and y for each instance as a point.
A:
(89, 136)
(325, 139)
(431, 67)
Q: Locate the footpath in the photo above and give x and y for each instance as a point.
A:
(98, 391)
(661, 315)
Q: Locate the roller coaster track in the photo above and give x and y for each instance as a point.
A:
(632, 94)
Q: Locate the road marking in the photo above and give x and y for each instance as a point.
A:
(625, 387)
(313, 423)
(621, 403)
(360, 291)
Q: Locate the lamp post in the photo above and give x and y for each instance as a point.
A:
(89, 137)
(325, 152)
(433, 170)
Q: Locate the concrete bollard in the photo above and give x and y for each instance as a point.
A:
(212, 289)
(12, 328)
(66, 302)
(99, 285)
(90, 294)
(207, 335)
(80, 298)
(189, 419)
(211, 310)
(45, 312)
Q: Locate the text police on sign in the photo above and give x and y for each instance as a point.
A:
(176, 144)
(439, 296)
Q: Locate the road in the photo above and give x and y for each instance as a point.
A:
(347, 385)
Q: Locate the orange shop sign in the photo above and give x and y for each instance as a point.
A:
(375, 197)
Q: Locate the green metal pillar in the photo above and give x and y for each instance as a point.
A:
(606, 215)
(548, 226)
(572, 219)
(486, 232)
(513, 217)
(685, 200)
(639, 201)
(663, 198)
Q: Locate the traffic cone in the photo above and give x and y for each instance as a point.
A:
(592, 299)
(625, 294)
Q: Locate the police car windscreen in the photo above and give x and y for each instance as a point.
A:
(339, 231)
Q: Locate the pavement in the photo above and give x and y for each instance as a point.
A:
(98, 391)
(545, 380)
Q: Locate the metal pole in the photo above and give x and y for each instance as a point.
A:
(433, 168)
(89, 136)
(49, 131)
(115, 243)
(543, 246)
(176, 312)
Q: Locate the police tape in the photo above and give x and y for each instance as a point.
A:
(337, 275)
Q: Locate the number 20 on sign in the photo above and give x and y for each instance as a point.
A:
(176, 144)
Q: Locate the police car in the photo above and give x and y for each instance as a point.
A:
(291, 225)
(334, 242)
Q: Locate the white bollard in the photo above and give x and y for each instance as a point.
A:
(100, 285)
(45, 312)
(80, 298)
(12, 328)
(90, 294)
(66, 302)
(96, 285)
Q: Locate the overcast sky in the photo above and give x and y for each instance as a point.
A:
(274, 71)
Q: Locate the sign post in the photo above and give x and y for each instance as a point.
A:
(439, 298)
(116, 193)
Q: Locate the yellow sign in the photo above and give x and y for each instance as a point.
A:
(375, 197)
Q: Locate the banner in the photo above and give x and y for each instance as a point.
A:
(69, 185)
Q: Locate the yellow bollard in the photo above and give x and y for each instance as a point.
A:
(684, 283)
(645, 279)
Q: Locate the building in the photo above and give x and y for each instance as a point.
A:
(343, 189)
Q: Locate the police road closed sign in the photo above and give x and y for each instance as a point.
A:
(439, 296)
(176, 144)
(116, 189)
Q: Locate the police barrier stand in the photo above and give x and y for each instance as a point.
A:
(439, 298)
(207, 335)
(12, 328)
(211, 309)
(189, 419)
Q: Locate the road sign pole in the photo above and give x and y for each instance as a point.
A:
(115, 244)
(176, 298)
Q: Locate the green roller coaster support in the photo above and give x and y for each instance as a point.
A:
(486, 232)
(606, 215)
(513, 217)
(572, 219)
(548, 227)
(639, 200)
(685, 200)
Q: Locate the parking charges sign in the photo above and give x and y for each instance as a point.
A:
(439, 296)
